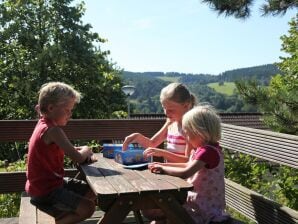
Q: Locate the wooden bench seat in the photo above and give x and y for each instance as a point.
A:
(30, 215)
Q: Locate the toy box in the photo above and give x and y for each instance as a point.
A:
(109, 149)
(130, 156)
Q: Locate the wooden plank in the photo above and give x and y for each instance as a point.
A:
(172, 208)
(83, 129)
(15, 181)
(13, 220)
(43, 218)
(27, 211)
(133, 177)
(286, 146)
(259, 154)
(258, 131)
(157, 181)
(119, 183)
(101, 185)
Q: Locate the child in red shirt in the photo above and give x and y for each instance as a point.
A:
(68, 200)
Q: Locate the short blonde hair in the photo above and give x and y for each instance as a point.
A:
(177, 93)
(56, 93)
(203, 120)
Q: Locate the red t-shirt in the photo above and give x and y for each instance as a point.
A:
(209, 155)
(45, 164)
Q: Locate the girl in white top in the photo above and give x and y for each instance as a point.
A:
(205, 168)
(176, 100)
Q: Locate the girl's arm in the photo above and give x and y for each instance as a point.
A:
(146, 142)
(175, 158)
(184, 172)
(56, 135)
(167, 164)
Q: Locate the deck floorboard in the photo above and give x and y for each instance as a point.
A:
(93, 220)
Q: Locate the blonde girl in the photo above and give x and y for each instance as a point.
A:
(176, 100)
(205, 168)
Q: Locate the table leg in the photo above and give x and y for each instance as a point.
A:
(138, 217)
(173, 209)
(118, 211)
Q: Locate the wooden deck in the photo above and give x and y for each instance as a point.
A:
(93, 220)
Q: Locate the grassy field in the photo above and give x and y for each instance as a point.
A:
(227, 88)
(169, 79)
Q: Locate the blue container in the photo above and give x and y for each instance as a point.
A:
(109, 150)
(130, 156)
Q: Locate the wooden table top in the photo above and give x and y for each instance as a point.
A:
(110, 179)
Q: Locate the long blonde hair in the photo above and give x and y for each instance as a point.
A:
(203, 120)
(177, 93)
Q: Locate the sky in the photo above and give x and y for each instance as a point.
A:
(184, 36)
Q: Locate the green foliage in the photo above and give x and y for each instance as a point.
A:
(236, 215)
(169, 78)
(286, 183)
(279, 100)
(13, 151)
(226, 88)
(241, 9)
(9, 205)
(274, 181)
(42, 41)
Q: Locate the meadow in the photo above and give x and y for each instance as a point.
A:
(227, 88)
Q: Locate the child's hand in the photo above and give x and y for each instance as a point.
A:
(153, 152)
(91, 159)
(155, 168)
(86, 153)
(129, 139)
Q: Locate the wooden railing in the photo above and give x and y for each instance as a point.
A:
(267, 145)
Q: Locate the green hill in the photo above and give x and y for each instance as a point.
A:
(169, 78)
(227, 88)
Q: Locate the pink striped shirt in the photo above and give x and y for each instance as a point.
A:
(176, 142)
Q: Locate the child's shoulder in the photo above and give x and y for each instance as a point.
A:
(173, 127)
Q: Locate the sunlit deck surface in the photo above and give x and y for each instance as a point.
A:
(130, 219)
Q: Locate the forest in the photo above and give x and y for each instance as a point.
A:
(148, 86)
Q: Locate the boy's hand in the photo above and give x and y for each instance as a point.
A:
(88, 154)
(91, 159)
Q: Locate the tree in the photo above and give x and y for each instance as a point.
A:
(279, 100)
(241, 8)
(45, 40)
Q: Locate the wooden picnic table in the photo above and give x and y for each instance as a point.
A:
(120, 190)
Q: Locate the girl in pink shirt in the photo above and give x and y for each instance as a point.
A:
(205, 168)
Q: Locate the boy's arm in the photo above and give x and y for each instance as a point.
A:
(56, 135)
